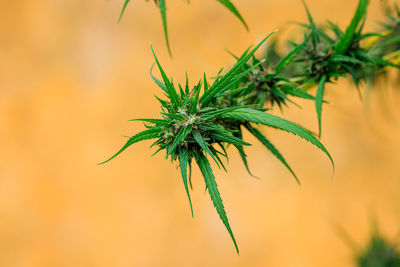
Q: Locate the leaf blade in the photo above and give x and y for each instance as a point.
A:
(257, 116)
(345, 41)
(212, 187)
(123, 10)
(318, 101)
(229, 5)
(271, 148)
(163, 12)
(144, 135)
(183, 163)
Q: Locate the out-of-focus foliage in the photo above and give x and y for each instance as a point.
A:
(163, 10)
(326, 54)
(379, 253)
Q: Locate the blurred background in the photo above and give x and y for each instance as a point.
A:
(70, 78)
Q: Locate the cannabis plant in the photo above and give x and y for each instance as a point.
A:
(326, 54)
(379, 253)
(161, 4)
(197, 125)
(387, 44)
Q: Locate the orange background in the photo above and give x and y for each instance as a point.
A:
(70, 78)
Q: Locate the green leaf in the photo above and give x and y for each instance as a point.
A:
(221, 111)
(199, 139)
(157, 81)
(211, 184)
(228, 4)
(172, 94)
(345, 41)
(313, 27)
(123, 10)
(271, 147)
(163, 11)
(253, 115)
(294, 91)
(155, 121)
(190, 173)
(183, 163)
(289, 57)
(390, 41)
(180, 137)
(346, 59)
(243, 156)
(145, 135)
(226, 81)
(376, 60)
(224, 136)
(174, 116)
(217, 155)
(353, 74)
(242, 153)
(318, 101)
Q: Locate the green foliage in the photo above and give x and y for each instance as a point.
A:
(163, 11)
(271, 148)
(379, 253)
(387, 45)
(228, 4)
(212, 188)
(200, 122)
(194, 125)
(326, 54)
(346, 40)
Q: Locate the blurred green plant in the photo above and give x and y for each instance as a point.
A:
(326, 54)
(200, 122)
(379, 253)
(163, 10)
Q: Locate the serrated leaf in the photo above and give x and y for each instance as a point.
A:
(242, 154)
(145, 135)
(228, 4)
(163, 11)
(157, 81)
(312, 26)
(211, 185)
(289, 57)
(180, 137)
(221, 111)
(172, 94)
(155, 121)
(228, 79)
(183, 163)
(271, 148)
(346, 59)
(345, 41)
(294, 91)
(256, 116)
(199, 139)
(319, 98)
(224, 136)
